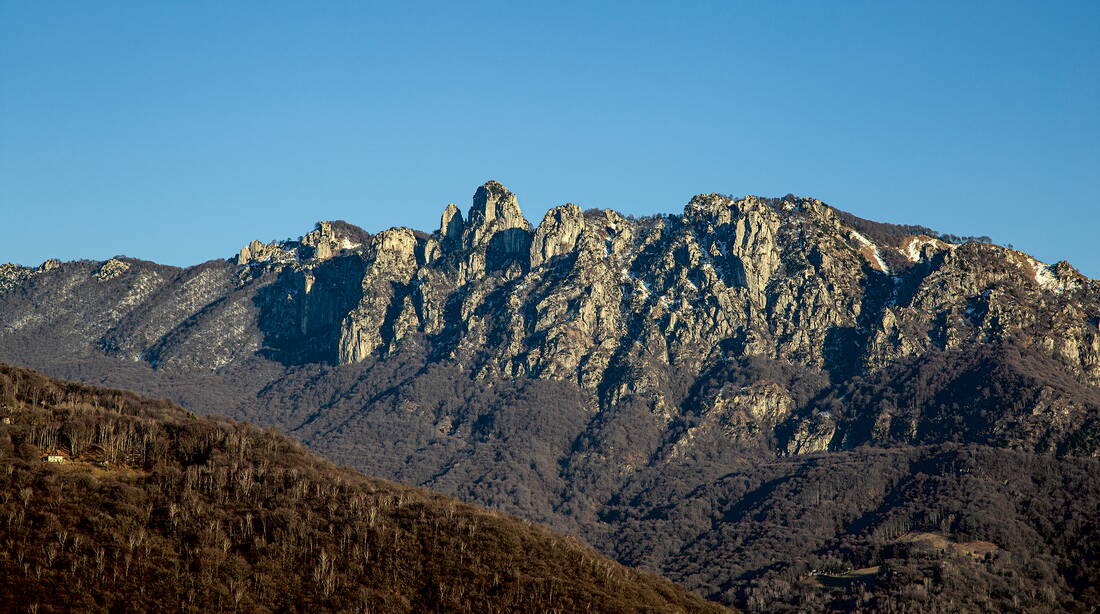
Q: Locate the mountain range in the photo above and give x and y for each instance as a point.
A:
(776, 403)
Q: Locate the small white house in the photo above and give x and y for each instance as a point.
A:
(55, 458)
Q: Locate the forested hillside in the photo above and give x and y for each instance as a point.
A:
(110, 502)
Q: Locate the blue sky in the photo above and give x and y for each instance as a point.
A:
(177, 132)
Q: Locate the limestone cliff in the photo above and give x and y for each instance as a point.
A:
(623, 308)
(588, 297)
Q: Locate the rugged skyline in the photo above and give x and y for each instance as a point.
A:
(167, 133)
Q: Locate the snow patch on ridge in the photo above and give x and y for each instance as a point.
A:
(913, 247)
(1042, 275)
(876, 255)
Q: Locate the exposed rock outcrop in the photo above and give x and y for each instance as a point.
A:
(782, 279)
(451, 228)
(595, 298)
(274, 252)
(13, 275)
(557, 234)
(49, 265)
(326, 241)
(111, 269)
(495, 209)
(385, 315)
(626, 309)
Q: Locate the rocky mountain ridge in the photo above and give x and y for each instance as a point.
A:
(752, 276)
(772, 277)
(586, 371)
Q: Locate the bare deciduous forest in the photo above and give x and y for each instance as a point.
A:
(153, 509)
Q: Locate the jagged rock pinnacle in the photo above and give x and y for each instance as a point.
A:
(451, 226)
(495, 208)
(557, 234)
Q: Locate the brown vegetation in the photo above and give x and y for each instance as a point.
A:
(196, 514)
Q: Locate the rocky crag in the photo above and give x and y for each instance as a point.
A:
(550, 370)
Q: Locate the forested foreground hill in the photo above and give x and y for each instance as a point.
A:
(114, 502)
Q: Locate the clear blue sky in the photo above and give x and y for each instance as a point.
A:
(178, 131)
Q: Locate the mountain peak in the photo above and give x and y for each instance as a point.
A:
(451, 226)
(495, 205)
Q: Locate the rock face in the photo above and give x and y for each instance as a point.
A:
(256, 252)
(557, 234)
(111, 269)
(326, 240)
(599, 300)
(385, 314)
(620, 307)
(329, 239)
(13, 275)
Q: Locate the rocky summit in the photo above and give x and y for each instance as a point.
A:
(737, 396)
